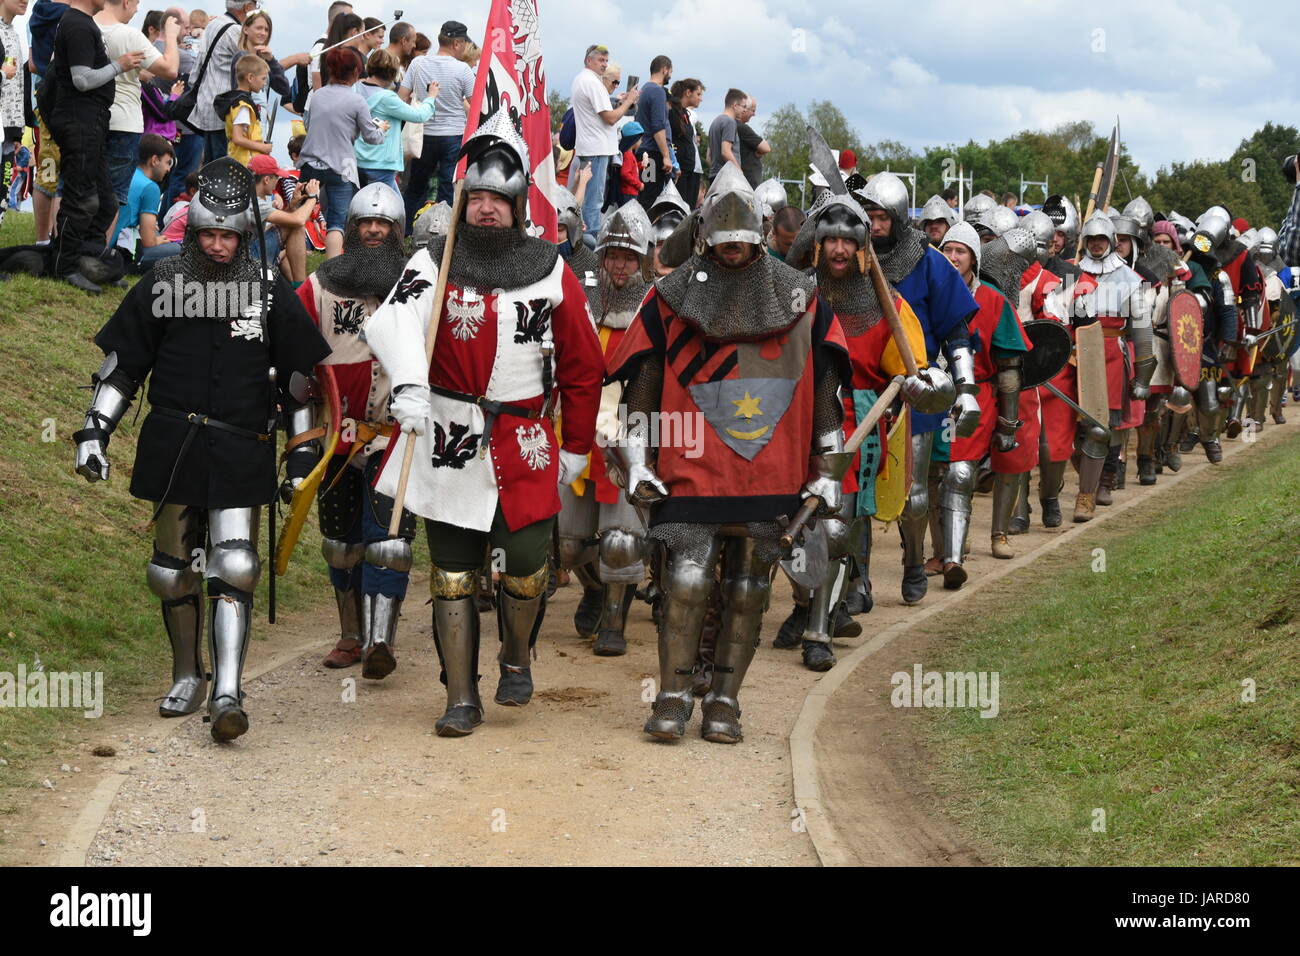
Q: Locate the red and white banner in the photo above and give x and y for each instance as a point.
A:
(510, 75)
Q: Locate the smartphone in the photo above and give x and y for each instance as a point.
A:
(633, 82)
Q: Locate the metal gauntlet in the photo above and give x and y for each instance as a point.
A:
(1004, 437)
(825, 464)
(643, 486)
(112, 397)
(303, 457)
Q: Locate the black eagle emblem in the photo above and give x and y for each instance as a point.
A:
(409, 286)
(348, 317)
(531, 320)
(452, 450)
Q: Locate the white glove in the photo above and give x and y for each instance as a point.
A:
(411, 408)
(571, 466)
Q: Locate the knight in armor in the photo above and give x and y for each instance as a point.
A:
(515, 331)
(1217, 227)
(1111, 293)
(976, 206)
(602, 535)
(937, 217)
(741, 342)
(218, 340)
(575, 252)
(830, 245)
(1066, 219)
(369, 585)
(666, 213)
(1211, 243)
(986, 268)
(1042, 299)
(943, 304)
(1276, 350)
(1178, 402)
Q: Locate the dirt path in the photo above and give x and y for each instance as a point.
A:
(876, 805)
(568, 780)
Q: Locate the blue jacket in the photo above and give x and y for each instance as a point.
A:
(42, 25)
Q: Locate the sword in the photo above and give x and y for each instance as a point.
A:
(1252, 340)
(1074, 405)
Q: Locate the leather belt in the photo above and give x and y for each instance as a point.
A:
(491, 410)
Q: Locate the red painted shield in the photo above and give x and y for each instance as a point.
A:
(1185, 333)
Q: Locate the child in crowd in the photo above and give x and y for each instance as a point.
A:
(242, 112)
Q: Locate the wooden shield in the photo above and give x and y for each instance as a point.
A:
(895, 478)
(1185, 334)
(1090, 356)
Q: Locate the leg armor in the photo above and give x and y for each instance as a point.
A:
(456, 635)
(343, 560)
(1051, 479)
(955, 504)
(1259, 388)
(1006, 488)
(171, 575)
(521, 604)
(937, 471)
(233, 569)
(686, 585)
(913, 521)
(746, 585)
(622, 567)
(843, 532)
(1020, 513)
(1092, 460)
(384, 577)
(577, 523)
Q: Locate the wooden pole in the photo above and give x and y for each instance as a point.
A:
(891, 314)
(430, 339)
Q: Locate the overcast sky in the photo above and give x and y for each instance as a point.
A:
(1188, 78)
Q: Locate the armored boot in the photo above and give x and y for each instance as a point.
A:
(1005, 490)
(456, 636)
(381, 613)
(859, 599)
(1051, 479)
(955, 507)
(520, 607)
(934, 566)
(1121, 462)
(1090, 469)
(586, 619)
(817, 653)
(793, 627)
(745, 586)
(178, 585)
(1020, 514)
(914, 520)
(1146, 447)
(352, 627)
(686, 586)
(231, 623)
(1173, 442)
(1259, 388)
(610, 642)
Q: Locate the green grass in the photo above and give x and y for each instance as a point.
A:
(73, 555)
(1123, 690)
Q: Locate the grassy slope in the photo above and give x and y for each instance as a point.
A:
(1142, 715)
(73, 555)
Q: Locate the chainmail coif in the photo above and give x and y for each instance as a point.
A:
(758, 299)
(362, 269)
(621, 305)
(192, 264)
(898, 257)
(494, 257)
(852, 297)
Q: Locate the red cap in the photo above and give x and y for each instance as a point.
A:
(1241, 225)
(264, 165)
(847, 159)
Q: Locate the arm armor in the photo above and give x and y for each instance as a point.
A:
(113, 393)
(1009, 365)
(302, 458)
(643, 394)
(958, 338)
(828, 410)
(825, 485)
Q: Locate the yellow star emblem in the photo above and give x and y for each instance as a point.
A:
(747, 407)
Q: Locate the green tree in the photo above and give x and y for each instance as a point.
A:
(1257, 162)
(558, 105)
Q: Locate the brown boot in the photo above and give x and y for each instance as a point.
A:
(1105, 488)
(1085, 506)
(346, 653)
(1002, 547)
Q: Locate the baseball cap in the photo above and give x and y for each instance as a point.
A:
(263, 165)
(454, 30)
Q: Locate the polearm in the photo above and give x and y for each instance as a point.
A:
(1074, 405)
(430, 339)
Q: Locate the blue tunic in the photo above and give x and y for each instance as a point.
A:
(940, 299)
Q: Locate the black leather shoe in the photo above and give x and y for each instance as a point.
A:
(515, 688)
(817, 656)
(458, 721)
(82, 283)
(792, 628)
(914, 584)
(586, 619)
(1051, 512)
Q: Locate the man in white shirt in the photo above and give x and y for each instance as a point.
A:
(454, 81)
(217, 78)
(595, 125)
(126, 121)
